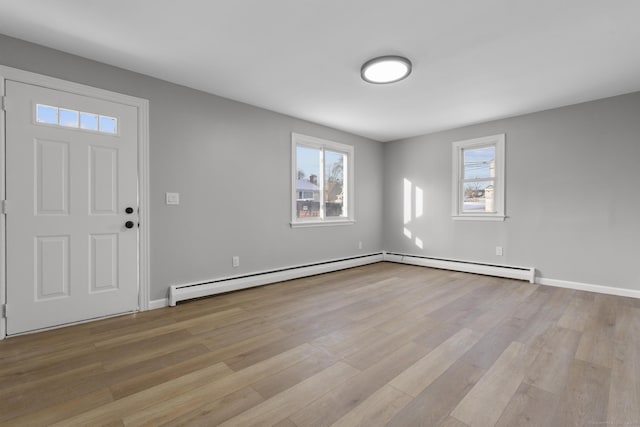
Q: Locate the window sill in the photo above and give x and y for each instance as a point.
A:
(478, 217)
(321, 223)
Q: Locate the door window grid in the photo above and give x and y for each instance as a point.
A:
(67, 118)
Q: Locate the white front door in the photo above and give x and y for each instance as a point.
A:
(71, 181)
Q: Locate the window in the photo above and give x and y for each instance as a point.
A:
(64, 117)
(305, 195)
(322, 182)
(478, 178)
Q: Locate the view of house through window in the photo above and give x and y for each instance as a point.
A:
(478, 178)
(309, 190)
(321, 179)
(307, 186)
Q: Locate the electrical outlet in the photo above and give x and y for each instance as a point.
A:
(359, 245)
(172, 198)
(499, 250)
(235, 261)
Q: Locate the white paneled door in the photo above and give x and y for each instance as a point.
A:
(72, 208)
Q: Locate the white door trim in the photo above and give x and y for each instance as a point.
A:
(142, 105)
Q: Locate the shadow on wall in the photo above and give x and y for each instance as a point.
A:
(413, 196)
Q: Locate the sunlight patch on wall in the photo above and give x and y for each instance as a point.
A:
(412, 198)
(419, 202)
(407, 233)
(419, 243)
(407, 201)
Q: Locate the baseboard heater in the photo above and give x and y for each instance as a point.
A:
(218, 286)
(511, 272)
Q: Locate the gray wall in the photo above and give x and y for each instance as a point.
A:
(572, 194)
(231, 164)
(572, 185)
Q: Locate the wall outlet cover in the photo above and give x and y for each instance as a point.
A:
(173, 198)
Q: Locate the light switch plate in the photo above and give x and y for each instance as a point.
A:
(173, 198)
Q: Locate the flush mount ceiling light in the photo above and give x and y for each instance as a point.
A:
(385, 69)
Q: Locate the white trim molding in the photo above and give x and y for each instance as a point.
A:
(158, 303)
(511, 272)
(521, 273)
(478, 218)
(206, 288)
(142, 106)
(326, 223)
(498, 177)
(3, 223)
(600, 289)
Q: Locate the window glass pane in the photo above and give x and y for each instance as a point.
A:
(68, 118)
(75, 119)
(89, 121)
(108, 124)
(334, 183)
(478, 196)
(307, 186)
(479, 162)
(46, 114)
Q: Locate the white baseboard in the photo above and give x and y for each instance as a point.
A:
(158, 303)
(511, 272)
(201, 289)
(609, 290)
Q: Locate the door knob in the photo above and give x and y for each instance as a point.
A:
(128, 224)
(129, 210)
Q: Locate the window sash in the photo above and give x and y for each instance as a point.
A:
(321, 184)
(347, 151)
(461, 198)
(458, 211)
(476, 147)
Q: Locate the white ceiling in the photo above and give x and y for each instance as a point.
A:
(473, 60)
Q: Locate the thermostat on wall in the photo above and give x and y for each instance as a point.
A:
(173, 198)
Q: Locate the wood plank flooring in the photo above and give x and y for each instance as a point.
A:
(379, 345)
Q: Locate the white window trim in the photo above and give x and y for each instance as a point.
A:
(457, 170)
(313, 142)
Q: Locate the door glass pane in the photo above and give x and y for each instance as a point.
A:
(68, 118)
(478, 196)
(479, 162)
(307, 185)
(89, 121)
(108, 124)
(75, 119)
(46, 114)
(334, 183)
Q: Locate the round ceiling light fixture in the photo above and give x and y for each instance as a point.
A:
(386, 69)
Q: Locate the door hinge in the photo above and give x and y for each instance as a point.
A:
(3, 103)
(3, 207)
(4, 311)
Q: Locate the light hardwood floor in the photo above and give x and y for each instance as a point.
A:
(384, 344)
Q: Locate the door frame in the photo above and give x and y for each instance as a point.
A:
(142, 106)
